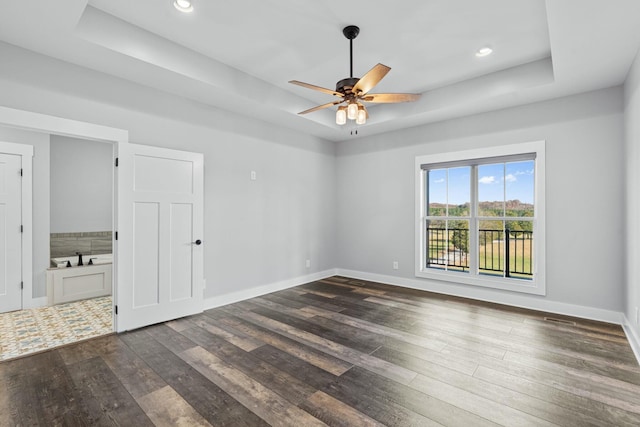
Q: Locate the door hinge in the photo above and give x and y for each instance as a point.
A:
(21, 285)
(116, 235)
(116, 161)
(21, 228)
(20, 172)
(116, 309)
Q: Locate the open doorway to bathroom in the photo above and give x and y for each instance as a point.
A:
(79, 279)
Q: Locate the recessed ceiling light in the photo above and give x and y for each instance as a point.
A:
(183, 5)
(484, 51)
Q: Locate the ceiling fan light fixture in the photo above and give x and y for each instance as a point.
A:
(352, 111)
(361, 118)
(183, 5)
(353, 90)
(341, 115)
(484, 51)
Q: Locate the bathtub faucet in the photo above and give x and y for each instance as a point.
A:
(79, 258)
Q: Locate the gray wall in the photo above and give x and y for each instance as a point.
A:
(81, 185)
(584, 203)
(632, 155)
(40, 143)
(260, 232)
(256, 232)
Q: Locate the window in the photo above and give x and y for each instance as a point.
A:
(480, 217)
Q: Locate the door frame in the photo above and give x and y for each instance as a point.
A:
(26, 195)
(44, 123)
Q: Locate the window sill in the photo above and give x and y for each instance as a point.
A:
(534, 287)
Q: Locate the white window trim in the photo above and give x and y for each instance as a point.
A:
(537, 285)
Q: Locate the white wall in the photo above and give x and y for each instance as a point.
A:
(584, 204)
(632, 156)
(40, 143)
(256, 232)
(81, 185)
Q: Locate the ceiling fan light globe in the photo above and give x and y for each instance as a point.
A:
(352, 111)
(361, 118)
(341, 116)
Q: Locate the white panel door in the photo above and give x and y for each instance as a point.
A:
(10, 235)
(160, 226)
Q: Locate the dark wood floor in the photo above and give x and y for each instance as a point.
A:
(341, 352)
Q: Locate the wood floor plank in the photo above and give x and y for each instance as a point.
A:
(336, 413)
(167, 408)
(359, 289)
(287, 386)
(365, 343)
(209, 400)
(304, 352)
(170, 338)
(414, 359)
(97, 383)
(90, 348)
(600, 372)
(267, 404)
(425, 314)
(544, 409)
(582, 387)
(426, 342)
(132, 371)
(230, 335)
(294, 366)
(43, 393)
(345, 353)
(392, 403)
(310, 299)
(481, 406)
(609, 415)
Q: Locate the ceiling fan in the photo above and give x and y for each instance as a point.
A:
(354, 91)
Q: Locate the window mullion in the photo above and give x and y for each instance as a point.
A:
(473, 222)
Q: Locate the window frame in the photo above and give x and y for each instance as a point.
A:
(537, 285)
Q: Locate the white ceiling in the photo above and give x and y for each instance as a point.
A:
(239, 55)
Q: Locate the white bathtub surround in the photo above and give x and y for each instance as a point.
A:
(65, 284)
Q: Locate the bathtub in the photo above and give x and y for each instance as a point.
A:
(97, 259)
(66, 284)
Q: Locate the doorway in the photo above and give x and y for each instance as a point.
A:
(178, 239)
(79, 220)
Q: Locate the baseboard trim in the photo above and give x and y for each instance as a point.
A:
(632, 337)
(257, 291)
(515, 300)
(36, 302)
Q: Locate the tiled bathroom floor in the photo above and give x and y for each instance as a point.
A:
(28, 331)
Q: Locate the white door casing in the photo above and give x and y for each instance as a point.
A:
(160, 217)
(10, 232)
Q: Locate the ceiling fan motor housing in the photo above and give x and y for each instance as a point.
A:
(345, 85)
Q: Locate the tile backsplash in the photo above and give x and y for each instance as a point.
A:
(87, 243)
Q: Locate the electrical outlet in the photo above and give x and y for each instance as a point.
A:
(253, 176)
(395, 265)
(308, 263)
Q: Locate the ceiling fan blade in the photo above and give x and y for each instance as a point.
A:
(318, 88)
(390, 97)
(320, 107)
(372, 78)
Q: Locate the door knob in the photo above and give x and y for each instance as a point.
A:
(198, 242)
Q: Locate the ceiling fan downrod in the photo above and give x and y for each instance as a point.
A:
(351, 32)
